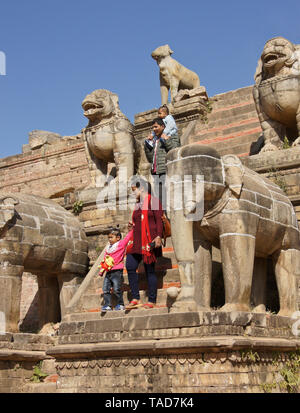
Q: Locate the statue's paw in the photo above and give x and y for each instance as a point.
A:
(189, 207)
(261, 308)
(183, 307)
(91, 185)
(286, 312)
(296, 142)
(269, 147)
(235, 307)
(203, 308)
(49, 329)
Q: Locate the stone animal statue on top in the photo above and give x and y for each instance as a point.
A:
(277, 93)
(39, 236)
(173, 75)
(108, 136)
(245, 215)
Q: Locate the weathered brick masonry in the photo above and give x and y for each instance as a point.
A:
(232, 124)
(50, 172)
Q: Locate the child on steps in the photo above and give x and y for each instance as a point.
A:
(113, 264)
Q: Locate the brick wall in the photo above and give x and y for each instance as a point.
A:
(29, 315)
(48, 172)
(232, 125)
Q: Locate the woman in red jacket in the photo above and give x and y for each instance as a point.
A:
(146, 244)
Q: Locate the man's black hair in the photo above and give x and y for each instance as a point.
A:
(159, 121)
(141, 183)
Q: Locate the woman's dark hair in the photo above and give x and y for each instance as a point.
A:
(164, 108)
(115, 231)
(159, 121)
(141, 183)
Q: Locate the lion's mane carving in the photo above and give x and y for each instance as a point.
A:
(277, 92)
(108, 136)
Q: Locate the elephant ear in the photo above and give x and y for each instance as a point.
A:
(7, 208)
(234, 173)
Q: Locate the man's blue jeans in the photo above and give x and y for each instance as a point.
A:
(113, 279)
(132, 263)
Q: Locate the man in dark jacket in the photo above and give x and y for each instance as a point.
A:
(156, 148)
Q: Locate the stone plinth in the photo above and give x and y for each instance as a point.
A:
(184, 352)
(19, 355)
(148, 351)
(184, 112)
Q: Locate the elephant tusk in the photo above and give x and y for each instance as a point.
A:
(189, 207)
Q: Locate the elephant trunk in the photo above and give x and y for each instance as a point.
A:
(7, 210)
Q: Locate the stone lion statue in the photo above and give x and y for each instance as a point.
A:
(277, 93)
(172, 74)
(108, 136)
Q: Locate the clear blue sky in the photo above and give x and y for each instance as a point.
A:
(59, 51)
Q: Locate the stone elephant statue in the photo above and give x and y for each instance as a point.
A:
(245, 215)
(39, 236)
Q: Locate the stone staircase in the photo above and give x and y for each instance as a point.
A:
(232, 125)
(88, 299)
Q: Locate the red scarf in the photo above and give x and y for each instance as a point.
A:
(148, 255)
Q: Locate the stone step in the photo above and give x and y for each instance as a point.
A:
(228, 116)
(40, 388)
(164, 276)
(95, 301)
(231, 98)
(97, 315)
(240, 148)
(91, 300)
(229, 125)
(246, 137)
(166, 262)
(216, 129)
(231, 112)
(233, 130)
(167, 274)
(235, 103)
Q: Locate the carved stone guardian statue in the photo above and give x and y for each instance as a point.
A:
(108, 136)
(173, 75)
(277, 93)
